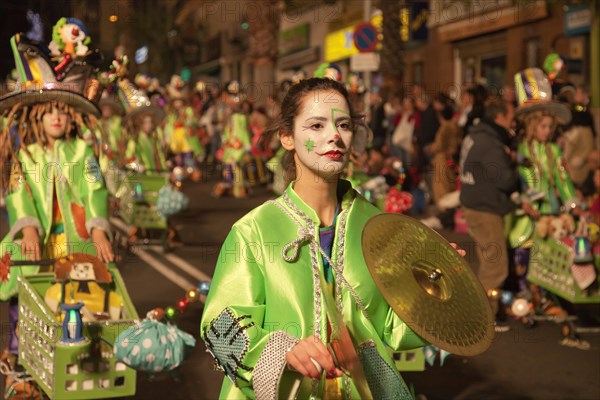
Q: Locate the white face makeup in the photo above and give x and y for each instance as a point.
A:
(71, 33)
(323, 133)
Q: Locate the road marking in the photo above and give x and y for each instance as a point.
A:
(119, 224)
(162, 268)
(183, 265)
(165, 270)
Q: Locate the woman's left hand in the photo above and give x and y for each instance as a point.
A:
(458, 249)
(103, 247)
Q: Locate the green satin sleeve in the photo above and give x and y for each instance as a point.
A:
(131, 150)
(20, 203)
(241, 130)
(233, 321)
(564, 183)
(93, 193)
(190, 119)
(527, 173)
(398, 335)
(160, 136)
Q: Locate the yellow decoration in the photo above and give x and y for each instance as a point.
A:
(93, 301)
(192, 295)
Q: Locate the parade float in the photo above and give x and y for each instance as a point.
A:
(68, 305)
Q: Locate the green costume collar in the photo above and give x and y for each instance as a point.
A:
(344, 191)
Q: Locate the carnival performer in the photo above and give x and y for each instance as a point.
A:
(546, 188)
(179, 124)
(544, 172)
(56, 196)
(112, 151)
(141, 130)
(237, 143)
(264, 322)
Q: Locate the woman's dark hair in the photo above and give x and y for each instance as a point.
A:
(290, 108)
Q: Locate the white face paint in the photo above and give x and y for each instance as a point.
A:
(71, 33)
(323, 133)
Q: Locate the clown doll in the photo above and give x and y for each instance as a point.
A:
(69, 41)
(555, 68)
(179, 124)
(56, 196)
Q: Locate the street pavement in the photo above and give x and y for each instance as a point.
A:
(522, 364)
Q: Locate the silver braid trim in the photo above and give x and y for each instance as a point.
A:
(270, 366)
(336, 267)
(306, 235)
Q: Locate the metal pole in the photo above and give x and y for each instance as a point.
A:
(595, 65)
(367, 99)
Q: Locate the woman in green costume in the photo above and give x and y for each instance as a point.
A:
(141, 130)
(264, 321)
(546, 186)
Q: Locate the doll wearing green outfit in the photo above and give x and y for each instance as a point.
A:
(264, 321)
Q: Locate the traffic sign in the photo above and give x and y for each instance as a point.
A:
(365, 37)
(364, 62)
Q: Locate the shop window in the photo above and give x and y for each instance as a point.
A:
(493, 72)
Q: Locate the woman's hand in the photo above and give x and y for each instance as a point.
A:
(458, 249)
(529, 210)
(310, 357)
(30, 244)
(103, 247)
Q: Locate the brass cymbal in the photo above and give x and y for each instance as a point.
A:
(428, 284)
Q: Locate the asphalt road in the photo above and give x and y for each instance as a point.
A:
(521, 364)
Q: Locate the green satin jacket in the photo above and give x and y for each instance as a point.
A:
(236, 139)
(185, 117)
(259, 304)
(537, 176)
(146, 150)
(112, 128)
(71, 174)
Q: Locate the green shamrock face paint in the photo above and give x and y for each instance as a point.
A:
(310, 145)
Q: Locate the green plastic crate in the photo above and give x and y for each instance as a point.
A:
(411, 360)
(550, 267)
(70, 372)
(141, 213)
